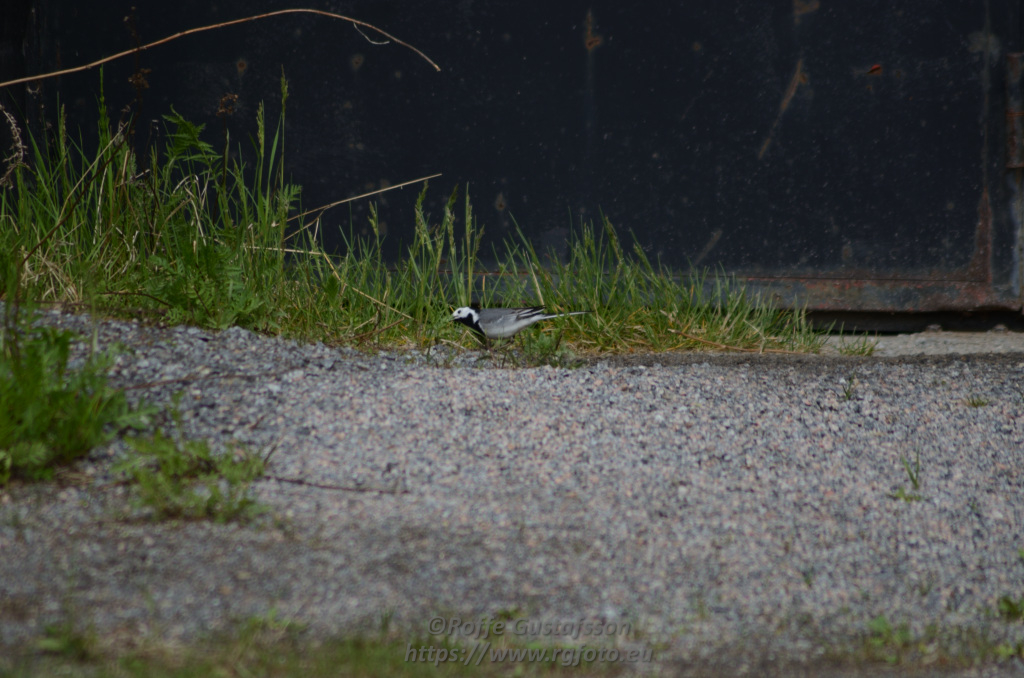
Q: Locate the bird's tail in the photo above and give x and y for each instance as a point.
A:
(562, 315)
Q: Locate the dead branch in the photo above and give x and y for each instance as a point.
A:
(200, 29)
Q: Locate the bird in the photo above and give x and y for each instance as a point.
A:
(503, 323)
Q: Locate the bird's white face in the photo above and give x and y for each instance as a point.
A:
(465, 313)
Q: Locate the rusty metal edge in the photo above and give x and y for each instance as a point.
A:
(900, 296)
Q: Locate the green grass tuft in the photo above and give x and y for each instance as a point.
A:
(862, 346)
(181, 478)
(274, 646)
(913, 471)
(52, 413)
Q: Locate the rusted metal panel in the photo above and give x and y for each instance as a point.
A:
(889, 296)
(969, 288)
(1015, 110)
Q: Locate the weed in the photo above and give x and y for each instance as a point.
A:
(850, 385)
(976, 401)
(1006, 651)
(1011, 609)
(913, 471)
(271, 626)
(66, 640)
(547, 349)
(909, 497)
(384, 621)
(179, 478)
(934, 646)
(52, 412)
(889, 643)
(701, 608)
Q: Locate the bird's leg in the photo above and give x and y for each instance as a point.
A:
(507, 353)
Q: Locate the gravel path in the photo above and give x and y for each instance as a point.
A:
(736, 511)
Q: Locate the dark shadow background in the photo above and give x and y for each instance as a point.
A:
(770, 138)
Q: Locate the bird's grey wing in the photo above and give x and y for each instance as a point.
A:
(528, 313)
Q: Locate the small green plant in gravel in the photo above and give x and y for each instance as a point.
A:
(69, 638)
(977, 401)
(181, 478)
(888, 642)
(892, 643)
(913, 471)
(548, 349)
(272, 624)
(66, 640)
(850, 385)
(909, 497)
(1011, 609)
(51, 411)
(1006, 651)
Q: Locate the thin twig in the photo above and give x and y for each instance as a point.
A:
(324, 208)
(192, 379)
(137, 294)
(182, 34)
(363, 337)
(368, 38)
(341, 488)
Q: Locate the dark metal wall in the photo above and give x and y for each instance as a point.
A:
(847, 156)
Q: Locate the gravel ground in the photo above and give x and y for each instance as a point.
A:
(736, 511)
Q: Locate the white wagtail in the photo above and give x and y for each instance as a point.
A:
(502, 323)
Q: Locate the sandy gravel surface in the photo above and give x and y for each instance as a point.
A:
(937, 342)
(739, 513)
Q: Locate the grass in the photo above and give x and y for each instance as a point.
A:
(889, 643)
(921, 647)
(270, 645)
(188, 235)
(51, 411)
(862, 346)
(1011, 609)
(177, 478)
